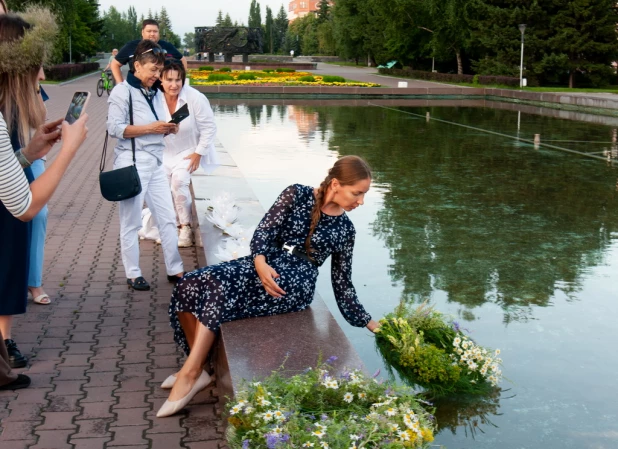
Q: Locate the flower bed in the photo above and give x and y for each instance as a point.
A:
(320, 410)
(428, 350)
(268, 78)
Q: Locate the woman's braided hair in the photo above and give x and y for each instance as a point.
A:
(348, 170)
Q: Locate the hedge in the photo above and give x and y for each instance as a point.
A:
(452, 78)
(220, 77)
(63, 72)
(207, 68)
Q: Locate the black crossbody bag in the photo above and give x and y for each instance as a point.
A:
(123, 183)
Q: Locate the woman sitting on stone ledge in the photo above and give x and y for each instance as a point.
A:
(300, 231)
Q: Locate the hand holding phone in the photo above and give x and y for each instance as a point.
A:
(180, 115)
(77, 107)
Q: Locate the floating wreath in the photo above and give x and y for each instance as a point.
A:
(428, 350)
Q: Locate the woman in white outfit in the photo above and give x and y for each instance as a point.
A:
(192, 146)
(148, 130)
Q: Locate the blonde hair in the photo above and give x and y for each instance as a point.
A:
(20, 103)
(348, 171)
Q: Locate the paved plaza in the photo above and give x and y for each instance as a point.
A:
(100, 351)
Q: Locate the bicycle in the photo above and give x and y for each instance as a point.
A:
(106, 83)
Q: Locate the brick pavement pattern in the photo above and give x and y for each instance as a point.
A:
(100, 351)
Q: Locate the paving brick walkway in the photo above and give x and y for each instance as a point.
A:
(99, 352)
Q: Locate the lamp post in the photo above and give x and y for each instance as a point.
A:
(522, 29)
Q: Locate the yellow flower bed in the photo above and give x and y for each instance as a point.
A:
(200, 77)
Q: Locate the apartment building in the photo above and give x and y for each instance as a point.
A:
(300, 8)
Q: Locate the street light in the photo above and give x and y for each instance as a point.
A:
(522, 28)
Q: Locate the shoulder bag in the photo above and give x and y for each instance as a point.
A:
(122, 183)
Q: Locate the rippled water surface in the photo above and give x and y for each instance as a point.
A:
(519, 244)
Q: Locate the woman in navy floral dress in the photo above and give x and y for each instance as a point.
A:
(273, 280)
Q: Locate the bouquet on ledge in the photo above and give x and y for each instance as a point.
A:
(430, 351)
(318, 409)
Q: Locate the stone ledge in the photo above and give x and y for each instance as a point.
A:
(594, 104)
(257, 346)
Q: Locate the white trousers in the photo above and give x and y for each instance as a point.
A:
(179, 179)
(156, 193)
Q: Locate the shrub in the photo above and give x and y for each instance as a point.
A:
(63, 72)
(284, 70)
(246, 76)
(207, 68)
(268, 70)
(225, 69)
(333, 79)
(220, 77)
(307, 78)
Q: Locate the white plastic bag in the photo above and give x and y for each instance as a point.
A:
(149, 229)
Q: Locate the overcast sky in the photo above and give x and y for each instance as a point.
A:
(186, 15)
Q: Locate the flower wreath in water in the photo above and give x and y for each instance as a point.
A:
(428, 350)
(326, 411)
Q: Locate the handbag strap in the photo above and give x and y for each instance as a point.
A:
(131, 122)
(103, 156)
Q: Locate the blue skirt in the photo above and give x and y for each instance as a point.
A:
(14, 260)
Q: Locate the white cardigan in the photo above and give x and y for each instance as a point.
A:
(197, 132)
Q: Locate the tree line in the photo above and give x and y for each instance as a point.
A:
(570, 42)
(565, 41)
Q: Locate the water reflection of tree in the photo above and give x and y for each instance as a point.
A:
(476, 216)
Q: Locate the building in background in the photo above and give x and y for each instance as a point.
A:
(300, 8)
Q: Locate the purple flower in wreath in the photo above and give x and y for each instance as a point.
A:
(331, 359)
(245, 444)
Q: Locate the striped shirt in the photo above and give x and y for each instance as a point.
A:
(15, 191)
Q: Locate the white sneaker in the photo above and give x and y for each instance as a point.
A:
(185, 236)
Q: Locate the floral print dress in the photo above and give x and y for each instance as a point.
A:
(232, 290)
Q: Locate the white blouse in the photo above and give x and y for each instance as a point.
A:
(197, 132)
(15, 191)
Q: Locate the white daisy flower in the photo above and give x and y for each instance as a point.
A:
(348, 397)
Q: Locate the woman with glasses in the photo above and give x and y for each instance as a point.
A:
(192, 147)
(147, 134)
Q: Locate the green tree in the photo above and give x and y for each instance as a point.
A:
(280, 28)
(349, 25)
(269, 31)
(227, 22)
(323, 11)
(584, 39)
(133, 24)
(219, 20)
(189, 41)
(255, 16)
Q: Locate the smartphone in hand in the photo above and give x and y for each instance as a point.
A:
(77, 106)
(180, 115)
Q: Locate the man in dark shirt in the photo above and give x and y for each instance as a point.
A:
(150, 30)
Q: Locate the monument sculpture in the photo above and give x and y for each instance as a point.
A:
(228, 40)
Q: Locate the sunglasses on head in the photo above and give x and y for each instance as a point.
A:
(155, 51)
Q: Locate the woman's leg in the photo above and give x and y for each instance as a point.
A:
(37, 242)
(189, 325)
(6, 322)
(193, 366)
(131, 213)
(159, 198)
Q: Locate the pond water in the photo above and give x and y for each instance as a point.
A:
(519, 244)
